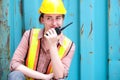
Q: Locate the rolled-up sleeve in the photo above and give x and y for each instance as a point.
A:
(67, 60)
(20, 52)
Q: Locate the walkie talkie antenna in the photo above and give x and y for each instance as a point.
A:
(58, 30)
(66, 26)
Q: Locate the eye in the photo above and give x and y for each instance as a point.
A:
(48, 18)
(58, 18)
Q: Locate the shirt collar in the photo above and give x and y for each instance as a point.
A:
(41, 33)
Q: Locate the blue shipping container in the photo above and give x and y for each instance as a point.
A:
(95, 31)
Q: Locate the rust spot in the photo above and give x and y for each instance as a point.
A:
(0, 22)
(119, 2)
(15, 7)
(119, 50)
(119, 32)
(80, 58)
(91, 6)
(109, 4)
(91, 52)
(21, 10)
(91, 29)
(109, 60)
(108, 8)
(111, 48)
(71, 14)
(1, 71)
(0, 1)
(118, 59)
(30, 21)
(7, 45)
(6, 12)
(1, 9)
(82, 29)
(23, 30)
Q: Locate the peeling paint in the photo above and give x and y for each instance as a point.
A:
(82, 29)
(108, 9)
(109, 60)
(0, 2)
(21, 9)
(80, 58)
(4, 49)
(118, 59)
(4, 52)
(119, 50)
(4, 40)
(7, 44)
(91, 52)
(71, 14)
(6, 12)
(91, 6)
(119, 2)
(91, 29)
(111, 48)
(119, 33)
(0, 8)
(1, 71)
(15, 6)
(30, 22)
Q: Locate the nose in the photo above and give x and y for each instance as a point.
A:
(54, 23)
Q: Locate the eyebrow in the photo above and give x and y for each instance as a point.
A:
(48, 16)
(56, 16)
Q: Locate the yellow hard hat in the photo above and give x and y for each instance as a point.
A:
(52, 7)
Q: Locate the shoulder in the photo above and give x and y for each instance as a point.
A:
(67, 39)
(27, 32)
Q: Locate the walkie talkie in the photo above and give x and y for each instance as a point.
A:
(58, 30)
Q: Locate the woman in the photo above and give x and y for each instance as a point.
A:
(42, 54)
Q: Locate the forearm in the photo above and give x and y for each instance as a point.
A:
(58, 68)
(33, 74)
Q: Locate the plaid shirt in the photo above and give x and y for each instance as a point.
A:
(44, 58)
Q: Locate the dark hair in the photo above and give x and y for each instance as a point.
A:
(42, 15)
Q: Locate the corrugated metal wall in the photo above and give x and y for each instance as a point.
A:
(94, 40)
(114, 39)
(4, 40)
(95, 31)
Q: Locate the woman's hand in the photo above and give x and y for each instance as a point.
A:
(51, 38)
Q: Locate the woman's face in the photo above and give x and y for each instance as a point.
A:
(52, 21)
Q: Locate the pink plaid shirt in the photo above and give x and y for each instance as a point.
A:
(44, 58)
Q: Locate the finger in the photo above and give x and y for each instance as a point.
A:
(53, 30)
(46, 33)
(50, 32)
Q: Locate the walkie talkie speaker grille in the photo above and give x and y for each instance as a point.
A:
(58, 30)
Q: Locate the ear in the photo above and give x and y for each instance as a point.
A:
(42, 20)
